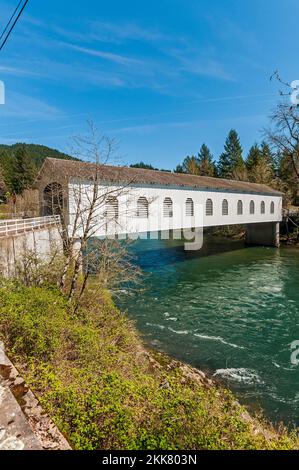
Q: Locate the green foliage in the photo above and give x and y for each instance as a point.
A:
(145, 166)
(19, 164)
(253, 158)
(38, 153)
(105, 391)
(179, 169)
(260, 164)
(21, 171)
(201, 165)
(28, 326)
(206, 163)
(231, 164)
(190, 165)
(3, 187)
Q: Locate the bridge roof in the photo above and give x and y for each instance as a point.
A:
(117, 174)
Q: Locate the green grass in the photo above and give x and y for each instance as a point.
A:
(104, 390)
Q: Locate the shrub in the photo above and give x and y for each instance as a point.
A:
(105, 391)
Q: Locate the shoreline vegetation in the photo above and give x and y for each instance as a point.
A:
(105, 390)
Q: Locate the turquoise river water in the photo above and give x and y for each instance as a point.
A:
(234, 314)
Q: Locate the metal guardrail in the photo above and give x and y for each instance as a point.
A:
(16, 226)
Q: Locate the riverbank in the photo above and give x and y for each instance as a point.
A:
(105, 390)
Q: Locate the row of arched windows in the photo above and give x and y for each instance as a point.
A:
(209, 207)
(112, 210)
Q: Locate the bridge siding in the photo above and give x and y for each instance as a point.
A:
(129, 223)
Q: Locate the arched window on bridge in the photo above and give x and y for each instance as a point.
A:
(272, 208)
(240, 208)
(251, 207)
(263, 207)
(53, 200)
(209, 207)
(112, 210)
(189, 207)
(167, 207)
(142, 208)
(224, 207)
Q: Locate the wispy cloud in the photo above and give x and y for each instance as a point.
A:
(209, 68)
(20, 105)
(114, 33)
(157, 60)
(116, 58)
(154, 127)
(15, 71)
(118, 32)
(197, 62)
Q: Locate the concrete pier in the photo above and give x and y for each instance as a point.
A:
(264, 234)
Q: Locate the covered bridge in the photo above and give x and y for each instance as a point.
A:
(135, 200)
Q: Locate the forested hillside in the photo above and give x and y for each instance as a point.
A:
(19, 164)
(38, 153)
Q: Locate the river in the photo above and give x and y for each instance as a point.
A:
(234, 314)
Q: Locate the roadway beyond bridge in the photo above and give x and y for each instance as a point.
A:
(133, 202)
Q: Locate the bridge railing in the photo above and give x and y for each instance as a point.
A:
(16, 226)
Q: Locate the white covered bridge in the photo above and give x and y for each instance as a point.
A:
(135, 201)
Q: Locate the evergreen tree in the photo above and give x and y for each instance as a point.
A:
(38, 153)
(190, 166)
(205, 162)
(262, 173)
(4, 161)
(21, 172)
(179, 169)
(260, 164)
(3, 188)
(231, 163)
(253, 157)
(145, 166)
(269, 157)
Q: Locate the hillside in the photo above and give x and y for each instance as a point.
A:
(37, 152)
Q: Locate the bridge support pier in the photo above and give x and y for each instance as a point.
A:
(266, 234)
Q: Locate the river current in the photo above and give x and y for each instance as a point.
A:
(233, 313)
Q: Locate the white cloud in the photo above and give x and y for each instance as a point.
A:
(113, 33)
(154, 127)
(21, 106)
(118, 32)
(168, 66)
(116, 58)
(15, 71)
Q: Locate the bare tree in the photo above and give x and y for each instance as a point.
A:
(284, 133)
(93, 208)
(34, 270)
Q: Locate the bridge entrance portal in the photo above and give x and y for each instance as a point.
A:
(53, 200)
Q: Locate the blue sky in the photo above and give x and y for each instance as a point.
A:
(161, 77)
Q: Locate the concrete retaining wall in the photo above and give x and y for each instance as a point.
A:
(42, 242)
